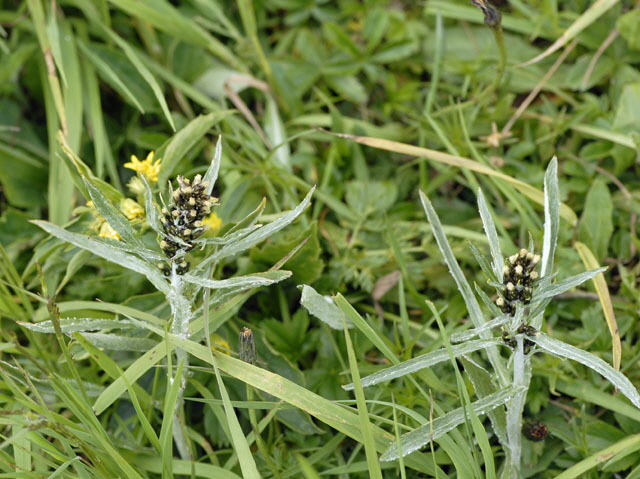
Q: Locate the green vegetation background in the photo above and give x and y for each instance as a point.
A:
(276, 78)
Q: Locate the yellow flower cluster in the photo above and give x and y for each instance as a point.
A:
(130, 208)
(148, 167)
(213, 221)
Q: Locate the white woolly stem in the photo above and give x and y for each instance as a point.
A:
(181, 314)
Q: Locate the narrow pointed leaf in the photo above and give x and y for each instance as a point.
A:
(565, 285)
(113, 216)
(564, 350)
(71, 325)
(551, 217)
(211, 175)
(424, 361)
(497, 260)
(259, 235)
(470, 300)
(414, 440)
(108, 252)
(240, 282)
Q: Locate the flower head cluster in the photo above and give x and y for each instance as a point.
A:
(518, 278)
(182, 221)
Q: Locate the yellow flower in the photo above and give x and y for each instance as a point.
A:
(148, 167)
(218, 343)
(213, 221)
(131, 209)
(106, 231)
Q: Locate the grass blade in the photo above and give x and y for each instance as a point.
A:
(590, 16)
(600, 283)
(365, 426)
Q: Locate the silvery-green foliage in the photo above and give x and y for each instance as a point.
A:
(500, 396)
(323, 308)
(133, 254)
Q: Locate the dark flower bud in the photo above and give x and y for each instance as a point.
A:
(247, 346)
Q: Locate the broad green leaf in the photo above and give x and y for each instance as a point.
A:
(564, 350)
(628, 25)
(425, 361)
(596, 222)
(627, 109)
(323, 308)
(416, 439)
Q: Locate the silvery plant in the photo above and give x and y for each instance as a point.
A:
(525, 284)
(179, 228)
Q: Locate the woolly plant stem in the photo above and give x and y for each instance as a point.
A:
(181, 314)
(515, 408)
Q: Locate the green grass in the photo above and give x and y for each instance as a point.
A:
(370, 102)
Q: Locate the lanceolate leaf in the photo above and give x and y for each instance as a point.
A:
(564, 350)
(565, 285)
(113, 216)
(258, 235)
(497, 261)
(71, 325)
(211, 175)
(551, 217)
(414, 440)
(475, 313)
(425, 361)
(108, 252)
(240, 282)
